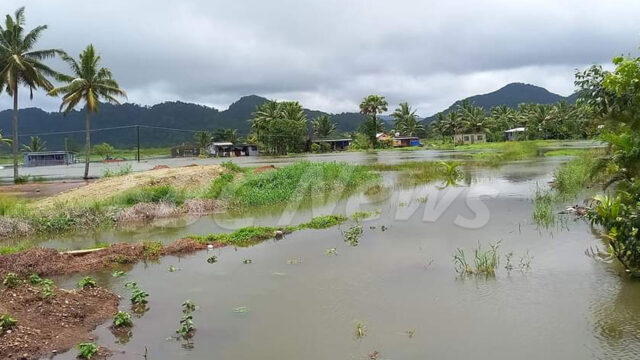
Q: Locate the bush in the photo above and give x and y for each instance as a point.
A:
(11, 280)
(152, 249)
(152, 194)
(105, 150)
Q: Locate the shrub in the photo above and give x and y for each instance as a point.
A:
(122, 319)
(152, 194)
(87, 350)
(87, 282)
(105, 150)
(34, 279)
(152, 249)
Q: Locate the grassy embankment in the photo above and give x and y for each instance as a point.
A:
(238, 188)
(569, 180)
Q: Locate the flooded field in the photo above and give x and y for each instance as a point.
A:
(396, 295)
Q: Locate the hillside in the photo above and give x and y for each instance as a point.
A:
(512, 95)
(173, 114)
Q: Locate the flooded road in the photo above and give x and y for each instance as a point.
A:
(297, 300)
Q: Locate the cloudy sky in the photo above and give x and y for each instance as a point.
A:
(328, 54)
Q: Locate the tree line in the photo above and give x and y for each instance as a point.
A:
(541, 121)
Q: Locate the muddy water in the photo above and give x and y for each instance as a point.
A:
(298, 302)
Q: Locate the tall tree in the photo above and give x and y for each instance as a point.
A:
(35, 145)
(89, 83)
(323, 126)
(371, 106)
(280, 127)
(406, 120)
(230, 135)
(21, 65)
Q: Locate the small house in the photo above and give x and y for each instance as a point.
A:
(221, 149)
(514, 134)
(334, 144)
(245, 150)
(185, 151)
(47, 158)
(406, 141)
(472, 138)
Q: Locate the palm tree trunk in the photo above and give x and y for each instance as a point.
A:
(374, 138)
(15, 134)
(87, 144)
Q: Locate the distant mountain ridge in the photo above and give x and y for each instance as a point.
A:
(194, 117)
(512, 95)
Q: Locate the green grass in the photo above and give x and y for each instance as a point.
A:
(543, 213)
(297, 182)
(150, 194)
(252, 235)
(565, 152)
(572, 177)
(218, 185)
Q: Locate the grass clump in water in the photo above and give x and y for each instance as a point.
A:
(543, 213)
(299, 181)
(325, 221)
(152, 249)
(484, 262)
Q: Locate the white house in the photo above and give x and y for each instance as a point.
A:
(514, 134)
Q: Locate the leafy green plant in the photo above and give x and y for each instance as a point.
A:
(122, 319)
(360, 331)
(485, 262)
(247, 261)
(186, 328)
(212, 259)
(87, 350)
(11, 280)
(34, 279)
(7, 322)
(87, 282)
(352, 235)
(117, 273)
(188, 307)
(139, 297)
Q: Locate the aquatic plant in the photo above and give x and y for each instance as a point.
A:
(525, 262)
(11, 280)
(7, 322)
(186, 327)
(362, 215)
(485, 262)
(87, 282)
(410, 333)
(240, 310)
(353, 234)
(543, 213)
(294, 261)
(87, 350)
(360, 330)
(117, 273)
(332, 251)
(212, 259)
(139, 297)
(247, 261)
(325, 221)
(172, 268)
(122, 319)
(188, 307)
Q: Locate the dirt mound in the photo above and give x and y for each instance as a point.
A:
(158, 167)
(203, 206)
(182, 178)
(49, 262)
(53, 324)
(146, 212)
(264, 168)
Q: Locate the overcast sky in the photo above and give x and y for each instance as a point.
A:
(329, 54)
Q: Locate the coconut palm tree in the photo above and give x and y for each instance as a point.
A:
(230, 135)
(406, 121)
(204, 139)
(4, 140)
(89, 83)
(323, 127)
(370, 107)
(36, 144)
(21, 65)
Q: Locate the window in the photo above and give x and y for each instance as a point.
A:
(466, 138)
(479, 137)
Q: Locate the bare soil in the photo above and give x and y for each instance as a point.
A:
(49, 262)
(41, 189)
(52, 325)
(188, 177)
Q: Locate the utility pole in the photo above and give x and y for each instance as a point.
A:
(138, 136)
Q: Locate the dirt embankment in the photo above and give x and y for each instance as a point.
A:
(192, 177)
(53, 325)
(49, 262)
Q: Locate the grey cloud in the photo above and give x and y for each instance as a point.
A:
(328, 54)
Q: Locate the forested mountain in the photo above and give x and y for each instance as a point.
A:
(512, 95)
(194, 117)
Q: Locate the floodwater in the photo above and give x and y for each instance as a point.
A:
(295, 301)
